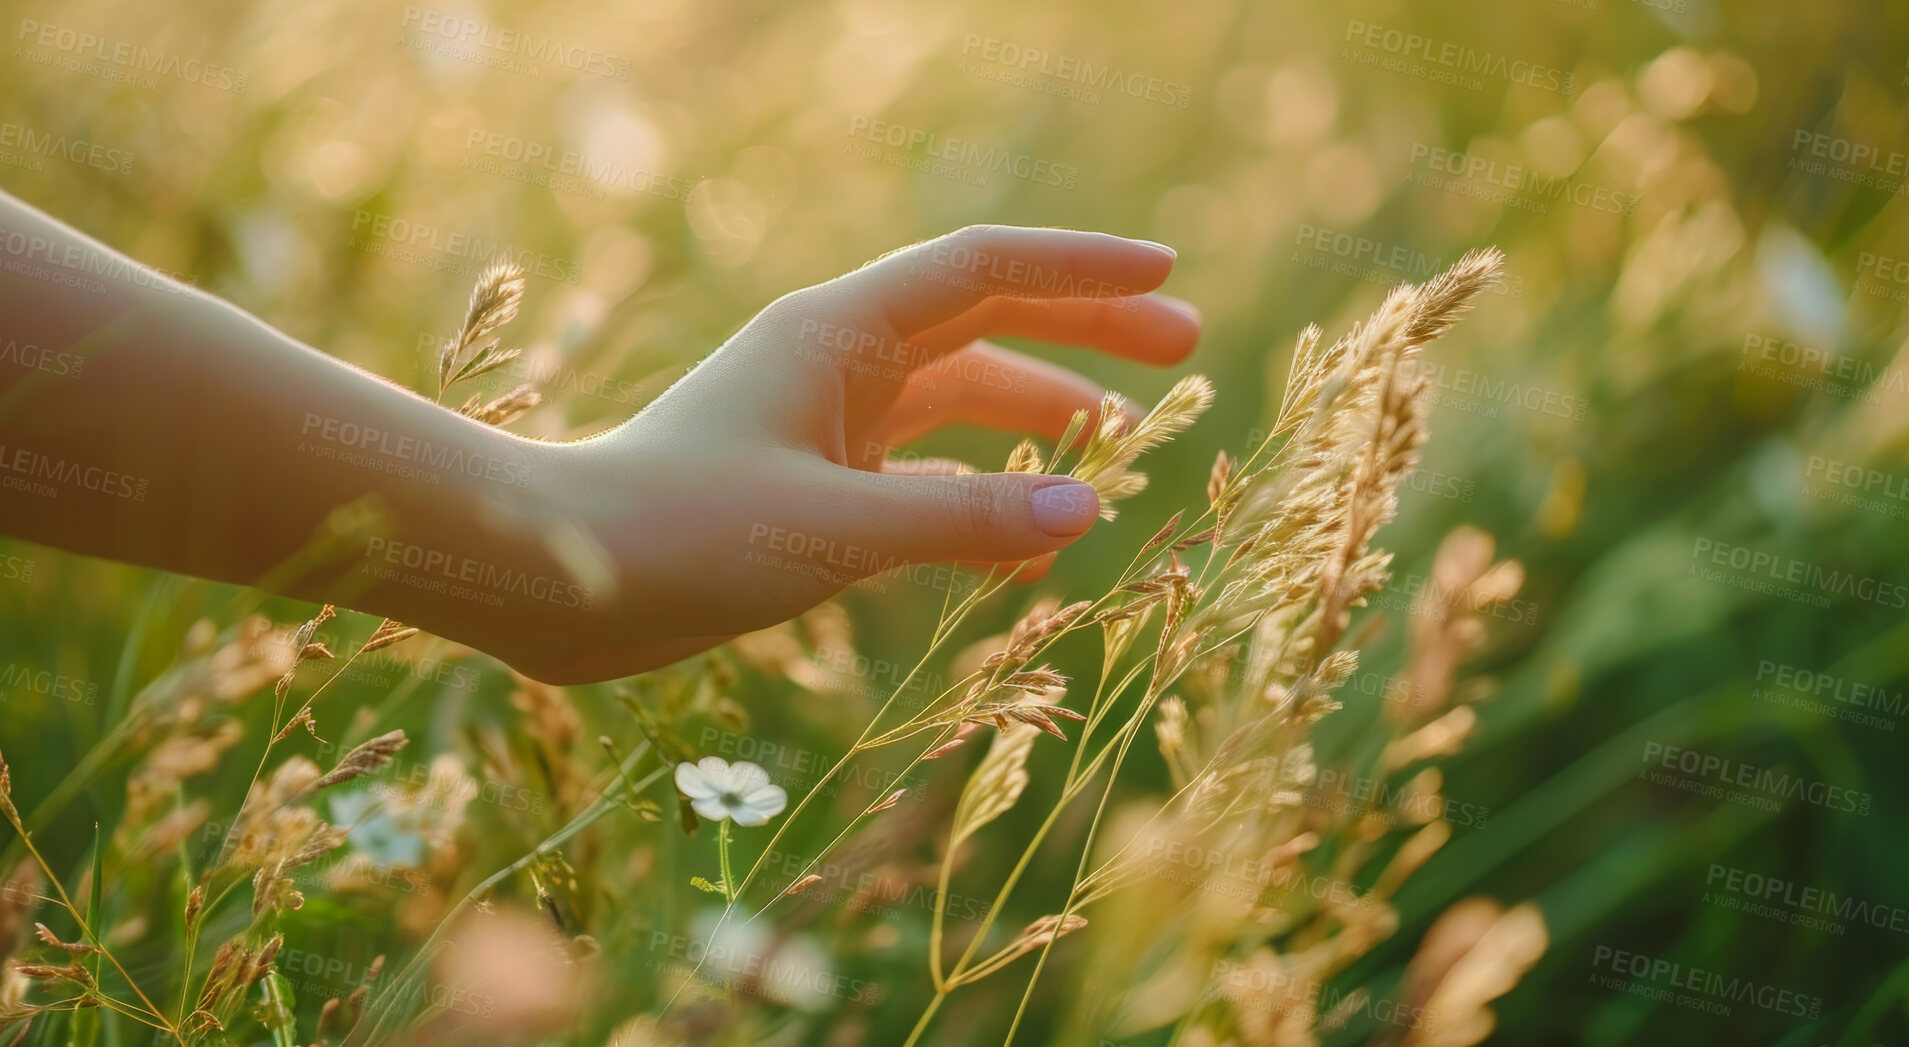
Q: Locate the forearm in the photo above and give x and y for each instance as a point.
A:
(146, 422)
(196, 439)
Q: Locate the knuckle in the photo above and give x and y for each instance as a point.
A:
(990, 314)
(973, 235)
(805, 304)
(957, 517)
(973, 503)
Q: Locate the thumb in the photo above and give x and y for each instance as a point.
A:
(976, 517)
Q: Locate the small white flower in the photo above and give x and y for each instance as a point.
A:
(719, 790)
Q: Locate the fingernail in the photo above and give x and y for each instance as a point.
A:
(1171, 253)
(1065, 509)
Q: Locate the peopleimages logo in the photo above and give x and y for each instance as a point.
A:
(1451, 60)
(1336, 791)
(373, 667)
(124, 61)
(962, 153)
(842, 563)
(1763, 570)
(1861, 156)
(1853, 483)
(441, 784)
(1285, 991)
(1702, 767)
(548, 160)
(23, 469)
(1809, 367)
(451, 28)
(1520, 179)
(1012, 275)
(1365, 258)
(1034, 61)
(1831, 696)
(84, 260)
(908, 363)
(878, 679)
(15, 679)
(375, 443)
(459, 575)
(1835, 688)
(1484, 387)
(1412, 586)
(404, 233)
(1800, 904)
(1707, 984)
(72, 150)
(760, 970)
(16, 569)
(873, 892)
(56, 362)
(792, 765)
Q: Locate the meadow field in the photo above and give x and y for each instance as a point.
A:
(1516, 657)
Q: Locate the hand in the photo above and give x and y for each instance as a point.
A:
(760, 484)
(753, 489)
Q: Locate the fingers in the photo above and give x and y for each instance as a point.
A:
(1025, 573)
(932, 282)
(1156, 329)
(985, 517)
(985, 384)
(924, 466)
(997, 388)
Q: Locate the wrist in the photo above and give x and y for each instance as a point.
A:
(477, 544)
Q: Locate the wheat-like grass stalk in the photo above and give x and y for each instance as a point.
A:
(1222, 641)
(1291, 531)
(473, 350)
(1111, 451)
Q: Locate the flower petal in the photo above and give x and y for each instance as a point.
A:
(744, 775)
(691, 781)
(716, 769)
(750, 816)
(767, 800)
(711, 807)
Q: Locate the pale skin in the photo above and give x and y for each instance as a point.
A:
(197, 439)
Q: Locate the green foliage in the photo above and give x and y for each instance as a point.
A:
(1623, 408)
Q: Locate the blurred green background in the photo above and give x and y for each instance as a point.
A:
(1697, 350)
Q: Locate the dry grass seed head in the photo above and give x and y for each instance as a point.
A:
(366, 758)
(494, 302)
(387, 633)
(995, 785)
(1105, 461)
(1025, 458)
(1474, 953)
(1447, 620)
(504, 409)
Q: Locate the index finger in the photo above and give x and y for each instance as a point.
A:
(918, 287)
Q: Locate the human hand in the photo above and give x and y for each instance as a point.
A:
(760, 484)
(754, 488)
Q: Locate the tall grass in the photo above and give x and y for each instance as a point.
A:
(1223, 912)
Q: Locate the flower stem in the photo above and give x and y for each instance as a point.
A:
(722, 854)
